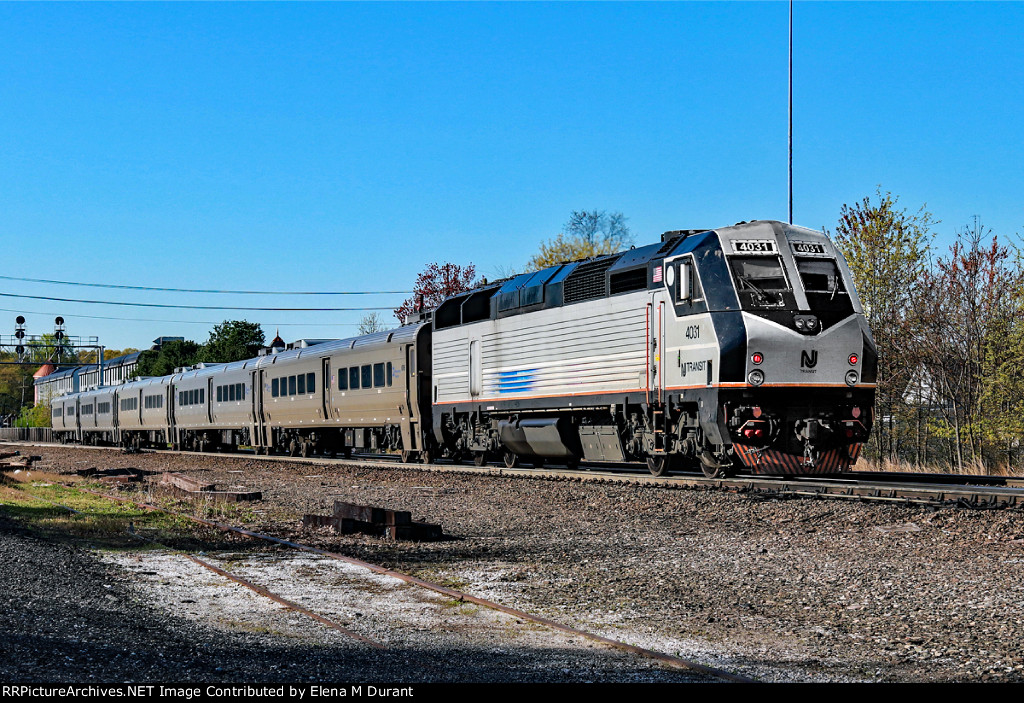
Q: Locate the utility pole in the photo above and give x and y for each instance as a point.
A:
(790, 111)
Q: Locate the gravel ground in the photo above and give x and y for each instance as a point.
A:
(72, 617)
(783, 590)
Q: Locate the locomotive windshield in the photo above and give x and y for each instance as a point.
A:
(824, 285)
(760, 282)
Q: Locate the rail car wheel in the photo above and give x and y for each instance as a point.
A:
(511, 459)
(293, 448)
(407, 456)
(712, 471)
(479, 458)
(426, 457)
(307, 449)
(657, 465)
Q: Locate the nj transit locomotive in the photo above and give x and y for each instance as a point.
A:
(742, 348)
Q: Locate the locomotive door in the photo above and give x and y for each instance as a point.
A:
(656, 322)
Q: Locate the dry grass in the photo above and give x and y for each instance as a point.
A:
(973, 468)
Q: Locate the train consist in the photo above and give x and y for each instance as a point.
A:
(738, 349)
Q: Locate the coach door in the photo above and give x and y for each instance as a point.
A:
(259, 438)
(328, 406)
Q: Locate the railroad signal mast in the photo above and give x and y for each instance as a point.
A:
(36, 349)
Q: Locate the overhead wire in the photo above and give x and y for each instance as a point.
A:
(205, 290)
(179, 322)
(189, 307)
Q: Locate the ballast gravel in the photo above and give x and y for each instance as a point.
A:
(778, 590)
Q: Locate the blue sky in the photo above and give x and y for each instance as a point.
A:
(343, 146)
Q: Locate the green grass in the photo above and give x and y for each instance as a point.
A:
(101, 523)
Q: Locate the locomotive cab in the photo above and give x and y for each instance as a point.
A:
(796, 362)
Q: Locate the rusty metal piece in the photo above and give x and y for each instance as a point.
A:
(285, 602)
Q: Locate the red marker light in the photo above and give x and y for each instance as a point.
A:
(855, 412)
(756, 358)
(757, 411)
(854, 359)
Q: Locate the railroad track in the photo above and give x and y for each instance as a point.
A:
(457, 595)
(966, 491)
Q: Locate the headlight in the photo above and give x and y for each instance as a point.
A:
(851, 378)
(755, 377)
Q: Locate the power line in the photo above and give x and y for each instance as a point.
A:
(188, 307)
(178, 322)
(202, 290)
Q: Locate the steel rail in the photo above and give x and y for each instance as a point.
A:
(667, 659)
(266, 593)
(951, 490)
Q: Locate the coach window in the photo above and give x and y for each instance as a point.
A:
(343, 380)
(389, 374)
(302, 384)
(220, 394)
(353, 378)
(367, 373)
(202, 396)
(291, 385)
(231, 393)
(378, 375)
(273, 388)
(311, 383)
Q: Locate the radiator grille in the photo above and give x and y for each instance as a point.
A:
(587, 281)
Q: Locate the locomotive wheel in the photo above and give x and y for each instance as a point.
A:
(657, 465)
(712, 471)
(511, 459)
(479, 458)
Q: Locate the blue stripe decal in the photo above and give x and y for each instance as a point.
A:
(515, 381)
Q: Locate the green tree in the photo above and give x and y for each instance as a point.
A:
(587, 233)
(89, 356)
(170, 356)
(16, 385)
(34, 416)
(233, 340)
(887, 250)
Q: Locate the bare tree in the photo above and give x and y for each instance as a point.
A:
(587, 233)
(371, 323)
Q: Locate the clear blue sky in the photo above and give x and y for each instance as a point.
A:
(344, 146)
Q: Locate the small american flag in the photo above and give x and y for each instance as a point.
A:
(657, 274)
